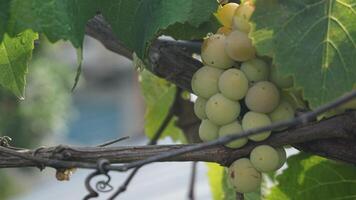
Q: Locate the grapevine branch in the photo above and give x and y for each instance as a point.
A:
(342, 127)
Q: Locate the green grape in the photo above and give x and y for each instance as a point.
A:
(255, 70)
(231, 129)
(213, 52)
(265, 158)
(233, 84)
(253, 120)
(282, 156)
(243, 176)
(208, 130)
(225, 13)
(280, 81)
(199, 108)
(242, 15)
(241, 24)
(221, 110)
(284, 111)
(205, 81)
(239, 46)
(263, 97)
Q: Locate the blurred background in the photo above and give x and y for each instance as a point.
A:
(107, 104)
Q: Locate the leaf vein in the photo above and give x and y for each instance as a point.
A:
(11, 69)
(299, 13)
(343, 29)
(346, 5)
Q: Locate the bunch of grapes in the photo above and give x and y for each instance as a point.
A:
(237, 91)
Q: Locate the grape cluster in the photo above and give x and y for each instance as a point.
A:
(237, 91)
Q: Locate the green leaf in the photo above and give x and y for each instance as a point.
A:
(15, 55)
(312, 40)
(159, 96)
(215, 175)
(138, 22)
(312, 177)
(57, 19)
(188, 32)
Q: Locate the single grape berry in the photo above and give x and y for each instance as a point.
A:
(233, 84)
(221, 110)
(239, 46)
(208, 130)
(213, 52)
(243, 176)
(265, 158)
(225, 13)
(205, 81)
(255, 70)
(262, 97)
(233, 128)
(199, 108)
(242, 15)
(284, 111)
(253, 120)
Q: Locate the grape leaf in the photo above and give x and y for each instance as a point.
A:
(188, 32)
(312, 177)
(138, 22)
(215, 174)
(15, 54)
(312, 40)
(159, 96)
(57, 19)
